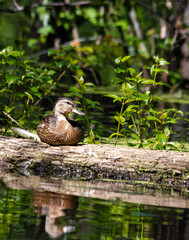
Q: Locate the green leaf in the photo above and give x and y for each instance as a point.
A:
(152, 69)
(119, 119)
(89, 84)
(53, 52)
(163, 61)
(180, 112)
(115, 134)
(130, 108)
(147, 81)
(6, 90)
(34, 89)
(91, 103)
(74, 89)
(119, 70)
(139, 75)
(118, 60)
(157, 98)
(167, 131)
(171, 121)
(10, 79)
(51, 72)
(124, 59)
(164, 116)
(8, 109)
(117, 80)
(132, 71)
(77, 94)
(144, 97)
(162, 138)
(135, 136)
(115, 97)
(29, 96)
(161, 70)
(146, 67)
(152, 118)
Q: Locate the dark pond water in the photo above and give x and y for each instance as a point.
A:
(26, 214)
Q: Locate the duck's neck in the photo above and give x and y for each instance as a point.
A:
(60, 117)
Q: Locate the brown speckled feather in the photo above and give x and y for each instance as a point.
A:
(56, 133)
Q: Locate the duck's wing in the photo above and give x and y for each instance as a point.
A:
(48, 121)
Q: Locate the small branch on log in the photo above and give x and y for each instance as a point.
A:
(12, 119)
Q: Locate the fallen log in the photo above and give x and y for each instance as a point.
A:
(96, 161)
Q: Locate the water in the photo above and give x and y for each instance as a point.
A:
(37, 208)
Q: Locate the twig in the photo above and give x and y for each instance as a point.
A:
(36, 5)
(18, 7)
(50, 87)
(12, 119)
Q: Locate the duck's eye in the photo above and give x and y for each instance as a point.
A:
(69, 103)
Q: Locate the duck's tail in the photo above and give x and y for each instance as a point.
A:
(25, 134)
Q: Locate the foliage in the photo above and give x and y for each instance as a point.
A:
(138, 117)
(109, 20)
(23, 84)
(87, 105)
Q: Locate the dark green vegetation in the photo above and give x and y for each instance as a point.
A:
(138, 107)
(69, 49)
(23, 85)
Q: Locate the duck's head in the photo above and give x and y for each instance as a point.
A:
(64, 106)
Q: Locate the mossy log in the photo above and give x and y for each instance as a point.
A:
(96, 161)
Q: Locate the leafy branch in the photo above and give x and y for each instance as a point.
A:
(138, 117)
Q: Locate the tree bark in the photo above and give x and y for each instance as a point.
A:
(96, 161)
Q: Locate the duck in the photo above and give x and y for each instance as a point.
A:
(56, 129)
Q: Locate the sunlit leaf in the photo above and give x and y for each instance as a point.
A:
(89, 84)
(115, 97)
(124, 59)
(136, 137)
(147, 81)
(162, 138)
(117, 80)
(11, 79)
(132, 71)
(115, 134)
(119, 70)
(152, 118)
(118, 60)
(29, 96)
(167, 131)
(8, 109)
(152, 69)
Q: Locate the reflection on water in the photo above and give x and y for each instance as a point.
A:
(52, 206)
(26, 214)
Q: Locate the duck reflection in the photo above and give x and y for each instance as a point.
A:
(53, 206)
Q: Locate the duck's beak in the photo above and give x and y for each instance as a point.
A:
(77, 111)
